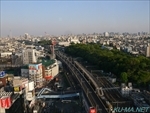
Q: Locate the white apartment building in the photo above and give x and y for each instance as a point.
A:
(29, 56)
(27, 36)
(148, 51)
(106, 34)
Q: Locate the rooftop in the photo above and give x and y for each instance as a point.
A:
(25, 67)
(47, 62)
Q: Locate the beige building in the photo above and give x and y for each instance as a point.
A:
(148, 51)
(51, 71)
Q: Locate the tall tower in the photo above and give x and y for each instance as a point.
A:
(53, 43)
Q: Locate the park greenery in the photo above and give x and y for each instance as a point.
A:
(126, 67)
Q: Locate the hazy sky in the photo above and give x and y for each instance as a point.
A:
(76, 17)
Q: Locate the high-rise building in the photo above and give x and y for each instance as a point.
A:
(106, 34)
(139, 34)
(27, 36)
(29, 56)
(148, 51)
(35, 74)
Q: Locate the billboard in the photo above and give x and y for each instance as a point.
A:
(17, 82)
(32, 72)
(35, 69)
(31, 86)
(49, 77)
(5, 102)
(24, 82)
(2, 74)
(17, 89)
(25, 72)
(3, 81)
(29, 96)
(35, 66)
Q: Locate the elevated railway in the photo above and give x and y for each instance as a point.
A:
(92, 94)
(95, 86)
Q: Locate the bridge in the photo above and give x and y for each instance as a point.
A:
(111, 88)
(9, 65)
(51, 94)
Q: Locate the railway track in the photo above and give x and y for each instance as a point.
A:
(91, 94)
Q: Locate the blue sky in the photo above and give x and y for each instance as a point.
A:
(76, 17)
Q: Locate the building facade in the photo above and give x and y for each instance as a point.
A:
(106, 34)
(35, 74)
(29, 56)
(51, 71)
(148, 51)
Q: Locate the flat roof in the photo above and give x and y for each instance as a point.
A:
(47, 62)
(25, 67)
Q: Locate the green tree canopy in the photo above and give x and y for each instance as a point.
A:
(124, 77)
(123, 65)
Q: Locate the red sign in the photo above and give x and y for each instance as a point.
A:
(48, 77)
(5, 102)
(0, 102)
(9, 102)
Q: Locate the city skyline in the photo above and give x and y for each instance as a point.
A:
(73, 17)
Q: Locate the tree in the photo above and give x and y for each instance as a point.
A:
(124, 77)
(72, 43)
(123, 65)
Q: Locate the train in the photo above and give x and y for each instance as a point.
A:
(92, 110)
(88, 107)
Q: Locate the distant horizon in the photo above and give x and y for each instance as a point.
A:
(73, 17)
(75, 34)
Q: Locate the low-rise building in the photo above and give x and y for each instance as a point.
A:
(10, 102)
(51, 69)
(6, 54)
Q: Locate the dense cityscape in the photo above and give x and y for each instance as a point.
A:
(38, 70)
(75, 57)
